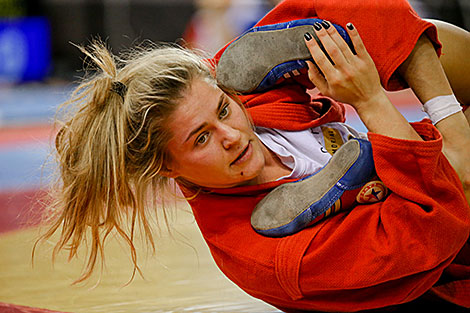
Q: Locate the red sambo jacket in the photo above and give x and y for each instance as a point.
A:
(375, 255)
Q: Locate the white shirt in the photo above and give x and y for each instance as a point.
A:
(306, 151)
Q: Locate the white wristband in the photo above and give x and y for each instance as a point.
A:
(439, 108)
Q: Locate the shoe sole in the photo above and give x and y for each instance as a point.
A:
(246, 62)
(293, 206)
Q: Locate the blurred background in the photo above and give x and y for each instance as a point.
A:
(39, 63)
(38, 67)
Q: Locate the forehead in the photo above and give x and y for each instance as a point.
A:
(199, 100)
(200, 89)
(199, 97)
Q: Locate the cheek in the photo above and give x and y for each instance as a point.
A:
(201, 161)
(260, 161)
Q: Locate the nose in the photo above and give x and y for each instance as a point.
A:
(229, 136)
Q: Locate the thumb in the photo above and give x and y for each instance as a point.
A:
(316, 76)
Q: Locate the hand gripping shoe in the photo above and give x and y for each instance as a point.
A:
(261, 56)
(344, 181)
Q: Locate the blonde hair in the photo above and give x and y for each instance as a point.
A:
(112, 146)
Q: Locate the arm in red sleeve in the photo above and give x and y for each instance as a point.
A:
(391, 252)
(373, 256)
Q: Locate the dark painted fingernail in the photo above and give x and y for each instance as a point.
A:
(325, 24)
(350, 26)
(307, 36)
(317, 26)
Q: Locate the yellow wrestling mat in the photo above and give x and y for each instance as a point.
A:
(181, 277)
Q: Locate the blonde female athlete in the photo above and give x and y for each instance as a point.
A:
(161, 117)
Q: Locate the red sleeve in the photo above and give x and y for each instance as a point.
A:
(394, 251)
(288, 108)
(373, 256)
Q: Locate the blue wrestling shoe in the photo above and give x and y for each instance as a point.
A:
(263, 55)
(344, 181)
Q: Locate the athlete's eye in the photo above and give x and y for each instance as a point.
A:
(202, 138)
(225, 111)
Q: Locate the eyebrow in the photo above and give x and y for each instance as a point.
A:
(198, 129)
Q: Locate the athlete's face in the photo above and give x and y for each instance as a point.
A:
(213, 143)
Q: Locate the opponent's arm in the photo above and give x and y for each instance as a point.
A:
(423, 71)
(353, 78)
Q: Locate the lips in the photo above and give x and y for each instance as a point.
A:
(243, 155)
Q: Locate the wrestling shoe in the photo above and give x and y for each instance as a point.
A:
(263, 55)
(347, 179)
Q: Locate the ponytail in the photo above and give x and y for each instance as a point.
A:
(111, 147)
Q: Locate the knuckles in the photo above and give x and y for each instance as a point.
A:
(335, 81)
(334, 52)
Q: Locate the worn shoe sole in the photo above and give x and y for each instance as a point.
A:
(293, 206)
(258, 58)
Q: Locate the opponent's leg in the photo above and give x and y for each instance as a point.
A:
(266, 54)
(455, 59)
(293, 206)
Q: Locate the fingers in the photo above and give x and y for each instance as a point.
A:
(318, 55)
(338, 40)
(315, 76)
(332, 42)
(356, 40)
(329, 46)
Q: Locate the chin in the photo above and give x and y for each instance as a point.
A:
(250, 177)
